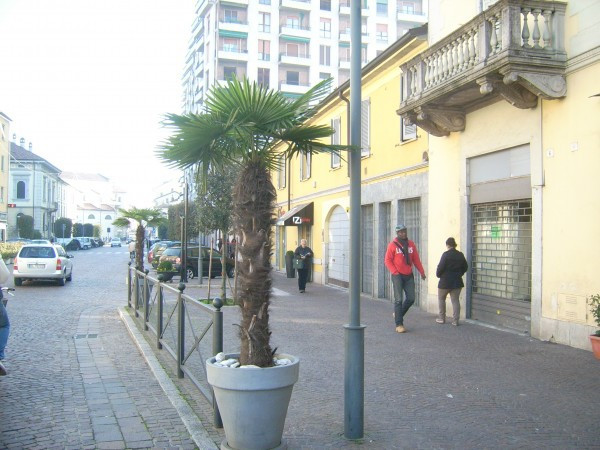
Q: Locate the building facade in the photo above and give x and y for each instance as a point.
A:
(287, 45)
(35, 189)
(505, 99)
(394, 182)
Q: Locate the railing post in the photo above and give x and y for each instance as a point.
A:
(146, 300)
(217, 348)
(159, 312)
(129, 284)
(136, 296)
(180, 329)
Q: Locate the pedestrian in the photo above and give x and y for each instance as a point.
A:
(303, 254)
(450, 270)
(400, 257)
(4, 322)
(132, 250)
(219, 244)
(231, 248)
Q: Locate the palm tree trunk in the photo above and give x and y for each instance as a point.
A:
(253, 205)
(140, 234)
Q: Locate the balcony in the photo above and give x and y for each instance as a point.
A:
(295, 88)
(513, 51)
(344, 64)
(345, 8)
(302, 5)
(237, 2)
(411, 16)
(295, 60)
(240, 26)
(233, 54)
(297, 31)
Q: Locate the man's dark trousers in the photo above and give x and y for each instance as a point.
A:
(404, 295)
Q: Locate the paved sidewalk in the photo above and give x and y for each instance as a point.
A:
(437, 386)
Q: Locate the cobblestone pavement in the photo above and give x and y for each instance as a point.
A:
(77, 380)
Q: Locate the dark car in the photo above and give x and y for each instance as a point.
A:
(157, 249)
(173, 254)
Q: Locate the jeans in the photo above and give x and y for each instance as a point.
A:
(402, 303)
(4, 329)
(302, 277)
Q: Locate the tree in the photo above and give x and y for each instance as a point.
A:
(213, 206)
(250, 126)
(77, 230)
(162, 232)
(25, 226)
(88, 230)
(58, 227)
(175, 213)
(96, 231)
(143, 217)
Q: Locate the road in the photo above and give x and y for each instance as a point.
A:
(66, 356)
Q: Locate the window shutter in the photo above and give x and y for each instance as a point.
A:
(365, 127)
(335, 140)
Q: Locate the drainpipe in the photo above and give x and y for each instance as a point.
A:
(345, 99)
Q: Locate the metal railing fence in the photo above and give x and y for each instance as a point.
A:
(189, 330)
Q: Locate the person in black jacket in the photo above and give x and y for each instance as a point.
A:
(450, 270)
(304, 253)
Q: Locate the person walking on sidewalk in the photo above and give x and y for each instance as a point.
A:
(450, 270)
(304, 253)
(4, 322)
(400, 256)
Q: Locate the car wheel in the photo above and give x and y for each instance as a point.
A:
(18, 282)
(70, 277)
(61, 282)
(190, 273)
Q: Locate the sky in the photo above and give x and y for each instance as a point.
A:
(87, 82)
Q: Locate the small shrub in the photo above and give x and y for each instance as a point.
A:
(165, 266)
(594, 302)
(10, 249)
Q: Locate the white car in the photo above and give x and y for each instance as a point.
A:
(86, 242)
(115, 243)
(42, 262)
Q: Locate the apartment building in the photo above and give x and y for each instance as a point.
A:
(287, 45)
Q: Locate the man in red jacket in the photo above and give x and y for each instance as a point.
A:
(400, 256)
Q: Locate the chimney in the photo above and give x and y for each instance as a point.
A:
(30, 147)
(22, 142)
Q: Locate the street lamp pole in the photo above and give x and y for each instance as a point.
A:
(184, 234)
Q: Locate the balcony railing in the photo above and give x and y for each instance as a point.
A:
(514, 49)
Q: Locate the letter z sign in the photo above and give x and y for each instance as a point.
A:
(297, 220)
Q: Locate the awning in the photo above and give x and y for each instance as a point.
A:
(233, 34)
(298, 215)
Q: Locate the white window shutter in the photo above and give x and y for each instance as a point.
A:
(365, 127)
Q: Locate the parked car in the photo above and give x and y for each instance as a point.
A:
(157, 249)
(173, 254)
(42, 262)
(115, 242)
(86, 242)
(97, 242)
(73, 244)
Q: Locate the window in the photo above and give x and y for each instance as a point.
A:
(2, 194)
(291, 50)
(263, 77)
(407, 132)
(325, 5)
(2, 163)
(45, 182)
(234, 45)
(344, 54)
(264, 22)
(292, 22)
(264, 50)
(382, 32)
(305, 166)
(382, 7)
(364, 55)
(3, 132)
(281, 169)
(228, 72)
(324, 75)
(363, 28)
(292, 77)
(406, 7)
(91, 217)
(365, 128)
(336, 160)
(264, 2)
(325, 28)
(231, 16)
(325, 55)
(108, 217)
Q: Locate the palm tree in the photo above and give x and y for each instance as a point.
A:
(251, 126)
(143, 217)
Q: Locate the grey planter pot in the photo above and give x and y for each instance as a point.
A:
(253, 402)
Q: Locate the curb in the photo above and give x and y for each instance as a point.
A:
(189, 418)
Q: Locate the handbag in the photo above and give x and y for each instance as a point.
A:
(298, 263)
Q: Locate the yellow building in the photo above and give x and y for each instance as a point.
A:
(506, 91)
(506, 99)
(4, 169)
(313, 195)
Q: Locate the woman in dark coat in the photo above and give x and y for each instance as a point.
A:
(450, 270)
